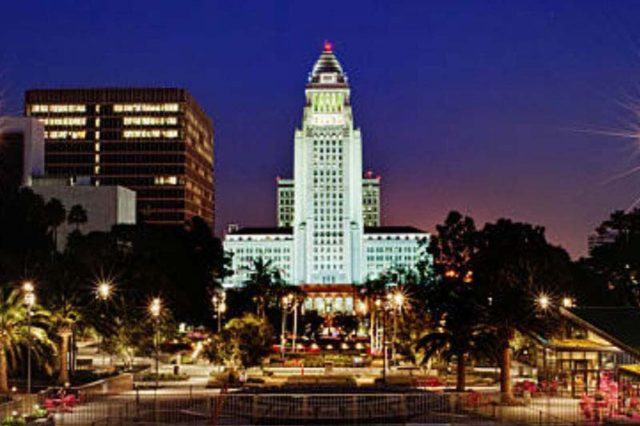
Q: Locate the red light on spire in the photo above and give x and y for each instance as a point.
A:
(328, 46)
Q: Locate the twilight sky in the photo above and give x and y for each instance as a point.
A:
(474, 106)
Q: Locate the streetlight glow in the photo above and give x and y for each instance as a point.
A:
(567, 302)
(398, 299)
(155, 307)
(27, 287)
(543, 301)
(103, 290)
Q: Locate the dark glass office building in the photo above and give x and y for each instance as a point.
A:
(156, 141)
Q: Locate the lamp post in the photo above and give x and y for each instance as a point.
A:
(103, 292)
(155, 309)
(29, 301)
(295, 324)
(397, 305)
(283, 338)
(376, 325)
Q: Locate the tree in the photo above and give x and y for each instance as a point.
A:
(14, 331)
(244, 342)
(77, 216)
(55, 214)
(614, 266)
(68, 297)
(24, 242)
(373, 289)
(311, 323)
(347, 323)
(451, 300)
(183, 264)
(265, 285)
(457, 335)
(513, 267)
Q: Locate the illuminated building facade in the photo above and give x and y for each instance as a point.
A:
(329, 230)
(370, 201)
(155, 141)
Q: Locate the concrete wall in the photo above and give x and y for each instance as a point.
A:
(105, 205)
(120, 383)
(32, 131)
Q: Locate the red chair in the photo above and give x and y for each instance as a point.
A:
(69, 401)
(50, 405)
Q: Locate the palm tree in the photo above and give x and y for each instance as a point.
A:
(64, 317)
(55, 214)
(14, 331)
(77, 216)
(457, 332)
(68, 304)
(265, 284)
(373, 289)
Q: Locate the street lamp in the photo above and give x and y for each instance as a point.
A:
(543, 301)
(104, 291)
(220, 307)
(286, 300)
(397, 300)
(29, 301)
(568, 302)
(155, 309)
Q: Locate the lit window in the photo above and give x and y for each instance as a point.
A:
(165, 180)
(151, 133)
(64, 134)
(58, 108)
(146, 107)
(65, 121)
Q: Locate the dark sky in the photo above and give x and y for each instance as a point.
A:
(463, 105)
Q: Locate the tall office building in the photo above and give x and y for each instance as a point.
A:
(155, 141)
(328, 214)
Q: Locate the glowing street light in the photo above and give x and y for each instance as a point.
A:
(398, 299)
(103, 290)
(568, 302)
(28, 287)
(543, 301)
(220, 307)
(155, 307)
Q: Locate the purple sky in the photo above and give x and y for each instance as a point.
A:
(463, 105)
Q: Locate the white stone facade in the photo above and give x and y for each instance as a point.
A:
(323, 211)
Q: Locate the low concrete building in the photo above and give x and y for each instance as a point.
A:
(106, 206)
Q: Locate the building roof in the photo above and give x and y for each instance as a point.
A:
(327, 63)
(392, 230)
(617, 324)
(263, 231)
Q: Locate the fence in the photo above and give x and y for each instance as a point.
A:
(21, 404)
(318, 408)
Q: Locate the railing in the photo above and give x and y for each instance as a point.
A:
(318, 408)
